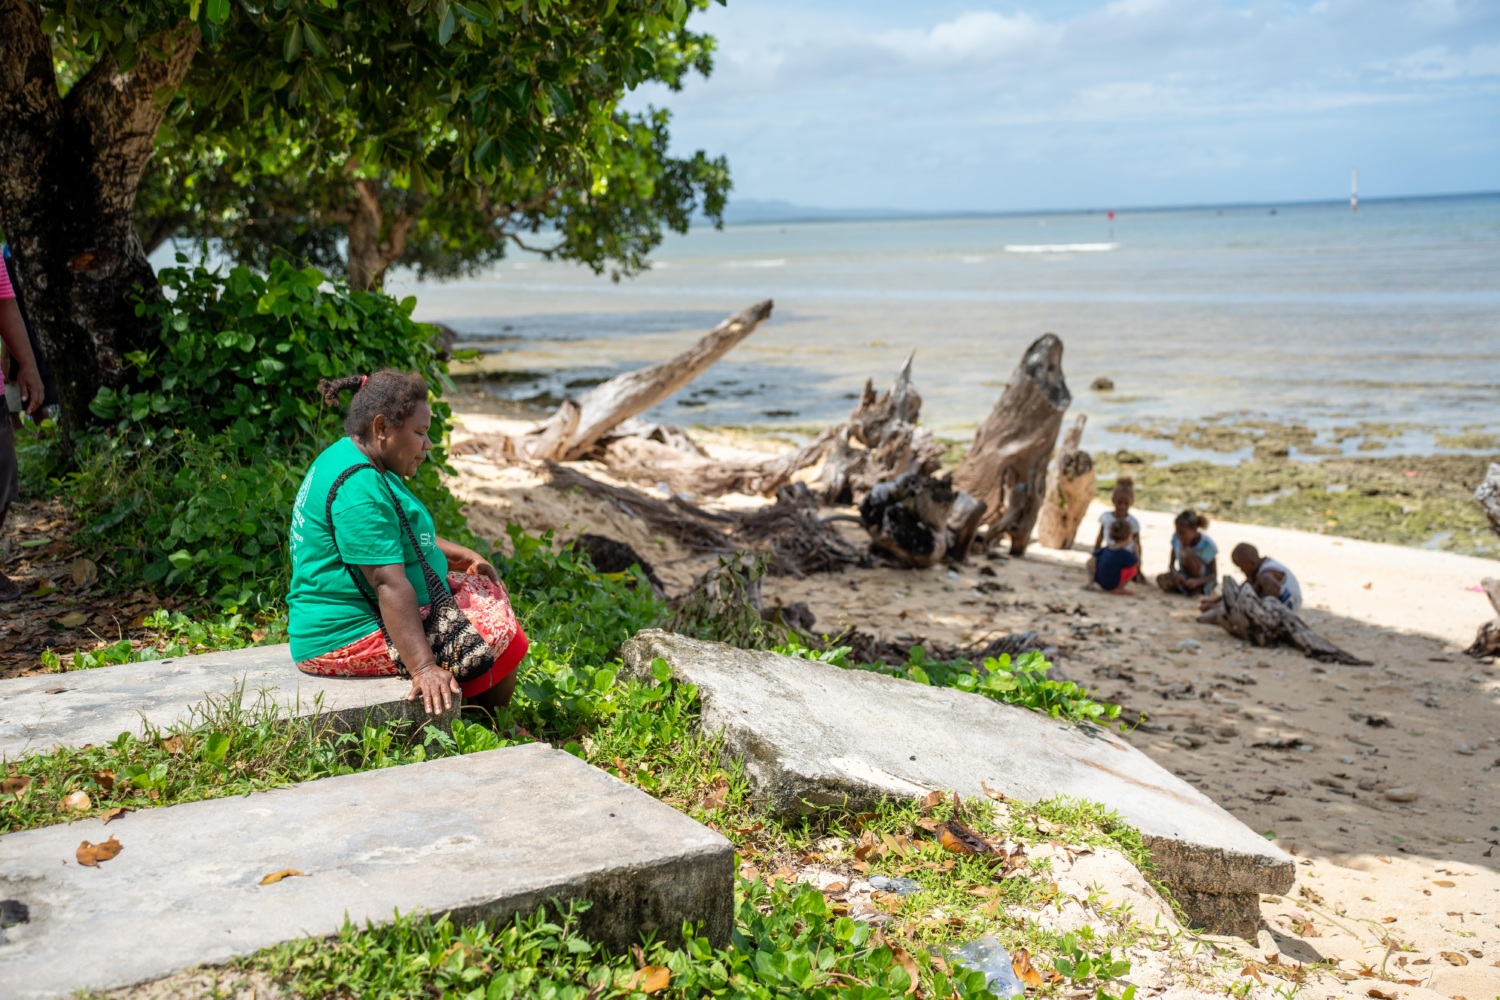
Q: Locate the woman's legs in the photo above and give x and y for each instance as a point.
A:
(497, 697)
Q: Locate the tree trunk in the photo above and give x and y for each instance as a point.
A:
(373, 245)
(908, 517)
(69, 170)
(1070, 488)
(569, 435)
(1007, 466)
(1265, 621)
(1488, 495)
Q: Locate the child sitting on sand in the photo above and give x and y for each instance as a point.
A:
(1193, 567)
(1269, 578)
(1123, 497)
(1113, 567)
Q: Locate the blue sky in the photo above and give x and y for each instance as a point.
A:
(958, 106)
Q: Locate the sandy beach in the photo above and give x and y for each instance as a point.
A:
(1380, 779)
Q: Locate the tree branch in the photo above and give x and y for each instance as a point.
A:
(547, 252)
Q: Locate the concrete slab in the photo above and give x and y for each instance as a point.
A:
(483, 836)
(814, 734)
(94, 706)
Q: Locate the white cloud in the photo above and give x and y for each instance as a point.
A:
(973, 34)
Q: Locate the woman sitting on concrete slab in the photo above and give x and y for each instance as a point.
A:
(374, 589)
(1193, 567)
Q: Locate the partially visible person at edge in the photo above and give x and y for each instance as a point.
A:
(1269, 578)
(17, 346)
(1123, 498)
(1193, 567)
(331, 624)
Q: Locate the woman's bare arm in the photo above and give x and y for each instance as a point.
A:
(403, 621)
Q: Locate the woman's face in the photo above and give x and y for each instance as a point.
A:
(403, 449)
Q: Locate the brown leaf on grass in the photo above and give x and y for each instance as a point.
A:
(929, 824)
(991, 793)
(897, 844)
(77, 802)
(1253, 972)
(172, 744)
(89, 855)
(114, 813)
(1455, 957)
(930, 801)
(1303, 927)
(1020, 963)
(959, 839)
(13, 787)
(868, 844)
(983, 891)
(903, 958)
(105, 780)
(275, 877)
(714, 797)
(73, 619)
(650, 979)
(782, 874)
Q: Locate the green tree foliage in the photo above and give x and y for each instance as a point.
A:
(480, 153)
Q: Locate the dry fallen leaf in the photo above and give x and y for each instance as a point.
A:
(77, 802)
(1253, 972)
(14, 786)
(714, 797)
(172, 744)
(959, 839)
(651, 979)
(1446, 884)
(85, 572)
(106, 780)
(1378, 995)
(114, 813)
(89, 855)
(275, 877)
(73, 619)
(931, 801)
(991, 792)
(1387, 920)
(1020, 963)
(1455, 957)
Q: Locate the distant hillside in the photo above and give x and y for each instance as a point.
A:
(749, 211)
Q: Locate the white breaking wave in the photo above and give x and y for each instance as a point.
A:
(1059, 247)
(775, 262)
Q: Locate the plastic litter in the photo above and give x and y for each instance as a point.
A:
(900, 886)
(988, 956)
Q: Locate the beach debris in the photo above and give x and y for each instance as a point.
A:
(610, 557)
(1006, 466)
(1487, 639)
(1402, 794)
(917, 520)
(1102, 384)
(1244, 614)
(1070, 487)
(1188, 646)
(988, 956)
(580, 424)
(895, 883)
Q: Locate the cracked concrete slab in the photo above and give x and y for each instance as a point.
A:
(482, 837)
(811, 734)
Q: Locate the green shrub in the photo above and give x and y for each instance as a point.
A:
(190, 486)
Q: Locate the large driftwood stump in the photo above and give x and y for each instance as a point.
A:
(907, 519)
(1265, 621)
(1070, 488)
(1488, 495)
(577, 427)
(1007, 466)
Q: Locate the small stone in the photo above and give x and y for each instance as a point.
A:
(1467, 749)
(900, 886)
(1347, 759)
(1102, 384)
(1189, 646)
(1187, 742)
(1402, 794)
(1227, 730)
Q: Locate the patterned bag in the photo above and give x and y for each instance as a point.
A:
(456, 643)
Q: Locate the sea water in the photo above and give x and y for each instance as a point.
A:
(1303, 313)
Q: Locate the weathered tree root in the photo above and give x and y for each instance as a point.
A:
(1261, 621)
(1487, 639)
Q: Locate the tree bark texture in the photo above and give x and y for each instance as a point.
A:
(568, 436)
(1070, 488)
(374, 245)
(1265, 621)
(1488, 495)
(69, 170)
(1006, 467)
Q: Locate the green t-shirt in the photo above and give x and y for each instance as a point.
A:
(326, 610)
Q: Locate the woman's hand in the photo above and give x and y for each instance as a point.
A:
(435, 686)
(463, 559)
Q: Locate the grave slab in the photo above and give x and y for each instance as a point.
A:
(78, 707)
(812, 734)
(483, 836)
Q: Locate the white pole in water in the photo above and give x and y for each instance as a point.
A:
(1354, 192)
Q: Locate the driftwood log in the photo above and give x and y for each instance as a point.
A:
(1007, 466)
(1265, 621)
(918, 520)
(1070, 488)
(579, 425)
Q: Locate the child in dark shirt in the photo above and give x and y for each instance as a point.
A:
(1113, 567)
